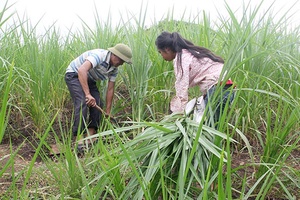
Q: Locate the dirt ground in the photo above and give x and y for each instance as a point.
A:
(27, 149)
(26, 152)
(21, 160)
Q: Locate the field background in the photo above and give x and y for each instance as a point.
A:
(254, 154)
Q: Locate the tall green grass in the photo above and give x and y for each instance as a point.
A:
(5, 106)
(152, 154)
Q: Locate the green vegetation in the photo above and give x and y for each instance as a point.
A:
(150, 154)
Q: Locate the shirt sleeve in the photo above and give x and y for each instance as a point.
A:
(181, 84)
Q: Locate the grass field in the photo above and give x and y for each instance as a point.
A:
(150, 154)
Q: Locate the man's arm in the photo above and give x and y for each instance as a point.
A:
(83, 79)
(109, 96)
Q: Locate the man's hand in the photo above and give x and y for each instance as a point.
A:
(108, 116)
(111, 118)
(90, 100)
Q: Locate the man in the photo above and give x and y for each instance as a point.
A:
(81, 76)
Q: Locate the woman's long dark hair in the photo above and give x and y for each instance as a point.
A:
(176, 43)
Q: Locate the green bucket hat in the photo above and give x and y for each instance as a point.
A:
(122, 51)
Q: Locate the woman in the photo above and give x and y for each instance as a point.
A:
(193, 66)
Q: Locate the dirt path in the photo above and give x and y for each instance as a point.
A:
(21, 161)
